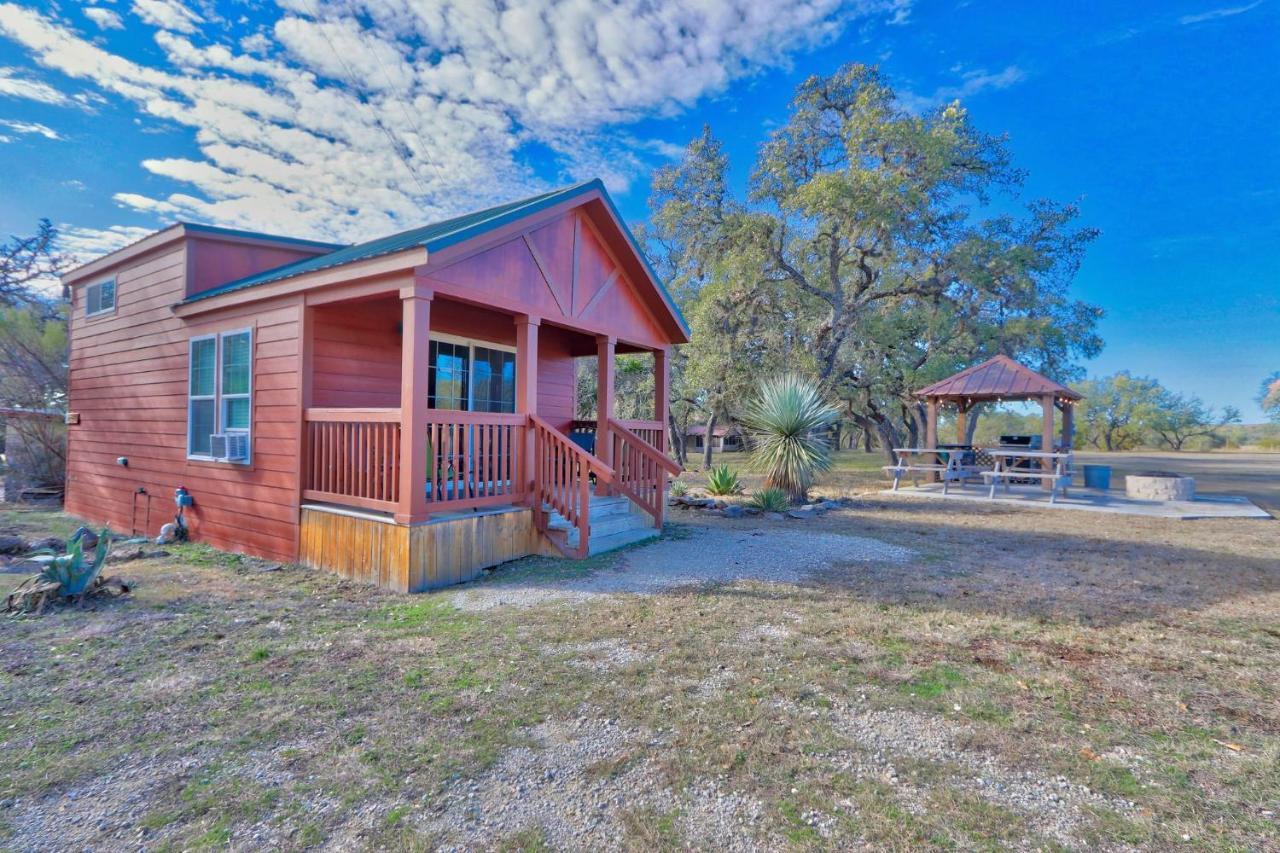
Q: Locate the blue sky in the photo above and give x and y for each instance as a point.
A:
(353, 118)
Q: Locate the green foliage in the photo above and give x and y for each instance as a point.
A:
(1121, 412)
(770, 499)
(71, 571)
(723, 480)
(1269, 396)
(1117, 410)
(789, 421)
(865, 256)
(679, 488)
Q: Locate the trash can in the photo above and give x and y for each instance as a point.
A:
(1097, 477)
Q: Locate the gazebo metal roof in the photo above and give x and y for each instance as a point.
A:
(997, 378)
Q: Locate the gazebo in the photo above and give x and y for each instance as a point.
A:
(999, 379)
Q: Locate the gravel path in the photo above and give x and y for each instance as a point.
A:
(706, 555)
(577, 783)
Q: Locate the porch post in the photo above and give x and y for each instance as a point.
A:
(661, 381)
(527, 386)
(605, 347)
(415, 309)
(931, 432)
(1046, 438)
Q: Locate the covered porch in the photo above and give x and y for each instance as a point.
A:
(440, 436)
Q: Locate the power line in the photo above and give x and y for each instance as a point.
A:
(395, 144)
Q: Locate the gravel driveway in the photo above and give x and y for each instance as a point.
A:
(702, 555)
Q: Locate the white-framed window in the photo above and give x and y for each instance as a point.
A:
(219, 392)
(100, 298)
(470, 375)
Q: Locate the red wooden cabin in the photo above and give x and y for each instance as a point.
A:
(401, 410)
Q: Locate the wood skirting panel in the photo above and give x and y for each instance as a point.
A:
(420, 557)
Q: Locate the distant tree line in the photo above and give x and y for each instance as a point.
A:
(33, 356)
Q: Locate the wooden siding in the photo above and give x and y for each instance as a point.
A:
(356, 355)
(563, 272)
(415, 558)
(557, 378)
(128, 383)
(212, 262)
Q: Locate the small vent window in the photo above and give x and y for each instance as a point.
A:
(100, 298)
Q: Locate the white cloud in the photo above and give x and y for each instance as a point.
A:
(972, 82)
(84, 244)
(23, 87)
(106, 19)
(348, 119)
(1215, 14)
(31, 127)
(167, 14)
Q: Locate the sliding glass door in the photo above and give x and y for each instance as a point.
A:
(470, 376)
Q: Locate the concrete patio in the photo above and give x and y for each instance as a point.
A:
(1091, 500)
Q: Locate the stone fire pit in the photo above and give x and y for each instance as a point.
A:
(1160, 486)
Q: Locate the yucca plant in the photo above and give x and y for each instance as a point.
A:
(771, 499)
(788, 421)
(723, 480)
(679, 488)
(69, 575)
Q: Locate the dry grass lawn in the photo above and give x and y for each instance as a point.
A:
(1029, 679)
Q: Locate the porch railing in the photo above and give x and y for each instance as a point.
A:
(352, 457)
(652, 432)
(474, 459)
(640, 469)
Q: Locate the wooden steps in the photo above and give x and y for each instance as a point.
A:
(615, 522)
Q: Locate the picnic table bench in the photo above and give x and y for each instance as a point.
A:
(911, 461)
(1005, 469)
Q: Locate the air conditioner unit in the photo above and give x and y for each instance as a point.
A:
(229, 447)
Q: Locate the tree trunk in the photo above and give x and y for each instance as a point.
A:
(971, 425)
(706, 445)
(866, 440)
(677, 440)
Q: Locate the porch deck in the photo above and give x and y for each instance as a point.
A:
(1089, 500)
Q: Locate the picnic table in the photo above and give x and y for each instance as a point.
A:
(948, 463)
(1006, 469)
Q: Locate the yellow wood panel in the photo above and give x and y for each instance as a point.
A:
(417, 558)
(357, 548)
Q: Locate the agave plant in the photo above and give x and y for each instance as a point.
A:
(679, 488)
(723, 480)
(69, 575)
(771, 499)
(788, 421)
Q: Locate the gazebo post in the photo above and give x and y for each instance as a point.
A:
(962, 421)
(1046, 443)
(1068, 425)
(931, 431)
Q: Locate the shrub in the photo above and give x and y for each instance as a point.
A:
(679, 488)
(723, 480)
(788, 420)
(771, 499)
(67, 576)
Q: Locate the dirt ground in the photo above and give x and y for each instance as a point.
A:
(897, 674)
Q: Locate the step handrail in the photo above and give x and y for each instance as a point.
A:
(661, 458)
(562, 474)
(641, 470)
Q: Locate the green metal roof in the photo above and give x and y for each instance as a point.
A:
(437, 236)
